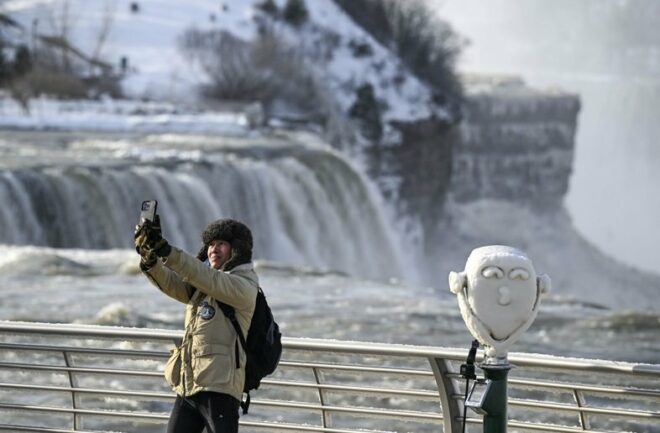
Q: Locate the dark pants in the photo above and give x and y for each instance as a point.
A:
(217, 412)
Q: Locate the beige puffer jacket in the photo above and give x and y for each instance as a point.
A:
(210, 357)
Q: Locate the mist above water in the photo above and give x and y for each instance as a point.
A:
(608, 52)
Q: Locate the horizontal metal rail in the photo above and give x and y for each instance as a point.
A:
(357, 368)
(99, 391)
(106, 413)
(367, 411)
(69, 349)
(350, 347)
(86, 370)
(590, 388)
(14, 428)
(433, 395)
(570, 408)
(561, 386)
(380, 382)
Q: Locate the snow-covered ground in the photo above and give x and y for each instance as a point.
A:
(148, 39)
(111, 115)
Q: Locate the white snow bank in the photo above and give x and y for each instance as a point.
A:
(118, 116)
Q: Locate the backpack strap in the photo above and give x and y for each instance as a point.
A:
(230, 314)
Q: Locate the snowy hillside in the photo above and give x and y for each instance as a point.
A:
(145, 35)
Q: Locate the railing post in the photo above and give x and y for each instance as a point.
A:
(451, 411)
(581, 402)
(74, 397)
(325, 417)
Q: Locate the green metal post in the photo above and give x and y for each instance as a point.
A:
(495, 402)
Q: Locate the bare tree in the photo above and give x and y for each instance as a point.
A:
(60, 22)
(105, 28)
(230, 64)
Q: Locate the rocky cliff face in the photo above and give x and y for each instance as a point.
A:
(413, 173)
(516, 144)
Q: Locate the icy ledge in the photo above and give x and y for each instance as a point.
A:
(111, 115)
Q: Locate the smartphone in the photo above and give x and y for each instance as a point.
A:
(148, 211)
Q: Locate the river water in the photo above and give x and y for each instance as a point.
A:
(104, 287)
(343, 278)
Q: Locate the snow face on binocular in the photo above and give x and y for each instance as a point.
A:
(498, 295)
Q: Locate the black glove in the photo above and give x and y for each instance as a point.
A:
(140, 236)
(149, 239)
(148, 257)
(162, 248)
(148, 260)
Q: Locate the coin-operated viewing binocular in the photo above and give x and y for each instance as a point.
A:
(498, 294)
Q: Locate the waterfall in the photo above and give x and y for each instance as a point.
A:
(306, 206)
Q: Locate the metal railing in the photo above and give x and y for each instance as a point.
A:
(79, 378)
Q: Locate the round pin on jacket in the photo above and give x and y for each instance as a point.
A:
(206, 311)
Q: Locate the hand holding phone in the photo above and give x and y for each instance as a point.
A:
(147, 213)
(148, 237)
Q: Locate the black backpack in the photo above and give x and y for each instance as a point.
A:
(263, 345)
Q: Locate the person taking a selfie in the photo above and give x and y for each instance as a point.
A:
(207, 371)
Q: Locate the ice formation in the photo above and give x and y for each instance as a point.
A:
(498, 295)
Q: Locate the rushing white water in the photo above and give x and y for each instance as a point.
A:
(306, 206)
(105, 287)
